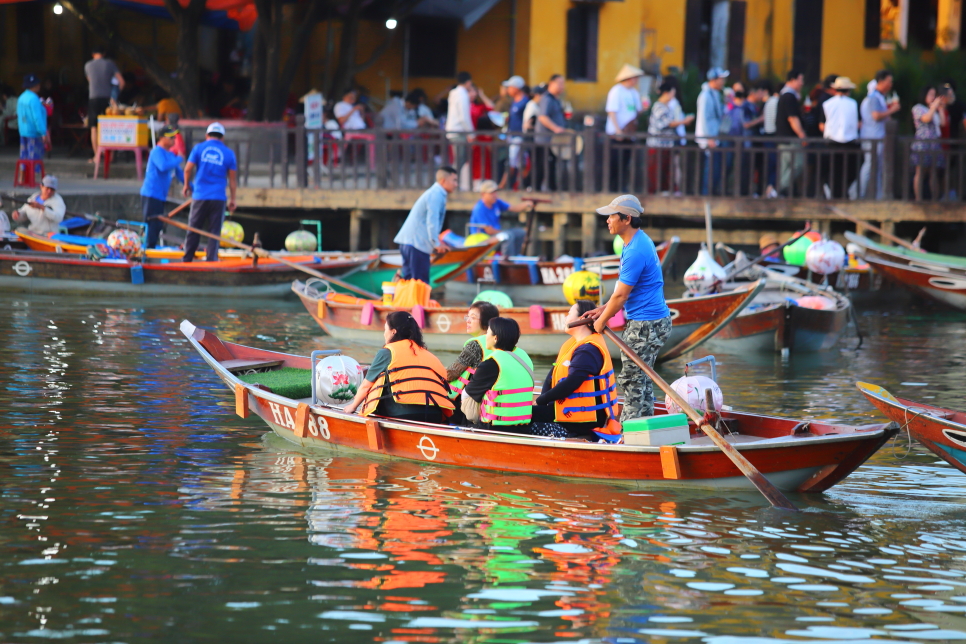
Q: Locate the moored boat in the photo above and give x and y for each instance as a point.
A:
(534, 282)
(948, 264)
(942, 431)
(67, 273)
(795, 456)
(694, 321)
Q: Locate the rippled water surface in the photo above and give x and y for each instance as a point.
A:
(135, 506)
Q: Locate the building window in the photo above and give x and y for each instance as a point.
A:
(900, 22)
(30, 32)
(432, 47)
(582, 23)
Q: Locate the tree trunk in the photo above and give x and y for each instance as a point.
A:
(274, 103)
(299, 43)
(256, 96)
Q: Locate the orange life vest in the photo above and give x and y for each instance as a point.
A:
(416, 377)
(595, 393)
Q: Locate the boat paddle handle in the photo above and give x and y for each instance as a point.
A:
(261, 252)
(768, 490)
(878, 231)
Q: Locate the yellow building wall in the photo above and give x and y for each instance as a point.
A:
(843, 42)
(664, 24)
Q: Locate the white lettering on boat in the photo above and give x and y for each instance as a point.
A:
(442, 321)
(313, 430)
(558, 321)
(276, 413)
(555, 274)
(289, 420)
(322, 427)
(674, 313)
(428, 448)
(22, 268)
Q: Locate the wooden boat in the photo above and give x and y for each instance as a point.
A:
(534, 282)
(694, 321)
(775, 322)
(941, 278)
(444, 267)
(67, 273)
(797, 456)
(942, 431)
(78, 245)
(849, 279)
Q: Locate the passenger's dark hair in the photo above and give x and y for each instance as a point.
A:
(463, 77)
(766, 85)
(554, 77)
(792, 75)
(882, 74)
(448, 169)
(584, 306)
(667, 86)
(635, 221)
(925, 91)
(829, 80)
(507, 333)
(487, 312)
(404, 324)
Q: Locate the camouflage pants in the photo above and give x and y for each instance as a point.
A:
(645, 337)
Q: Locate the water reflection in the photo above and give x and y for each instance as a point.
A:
(134, 506)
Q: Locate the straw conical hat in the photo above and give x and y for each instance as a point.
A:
(627, 72)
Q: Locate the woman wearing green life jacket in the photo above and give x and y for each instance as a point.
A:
(503, 383)
(474, 350)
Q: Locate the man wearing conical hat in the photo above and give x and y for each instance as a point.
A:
(624, 104)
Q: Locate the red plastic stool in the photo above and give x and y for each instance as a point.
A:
(26, 173)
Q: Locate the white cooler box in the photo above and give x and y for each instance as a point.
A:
(669, 429)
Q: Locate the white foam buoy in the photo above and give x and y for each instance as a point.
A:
(703, 273)
(691, 388)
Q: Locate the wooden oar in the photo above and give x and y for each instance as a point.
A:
(875, 229)
(261, 252)
(531, 219)
(770, 492)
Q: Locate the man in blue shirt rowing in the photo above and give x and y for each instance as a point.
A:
(216, 166)
(157, 181)
(485, 217)
(640, 292)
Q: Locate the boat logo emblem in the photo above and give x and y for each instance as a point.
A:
(428, 448)
(22, 268)
(442, 321)
(674, 313)
(957, 437)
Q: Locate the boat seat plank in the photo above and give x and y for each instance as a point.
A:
(235, 365)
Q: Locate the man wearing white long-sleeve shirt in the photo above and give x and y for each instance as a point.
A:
(419, 235)
(44, 210)
(459, 122)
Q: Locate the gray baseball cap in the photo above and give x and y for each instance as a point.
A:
(624, 205)
(50, 181)
(515, 81)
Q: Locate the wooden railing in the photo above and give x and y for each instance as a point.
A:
(283, 155)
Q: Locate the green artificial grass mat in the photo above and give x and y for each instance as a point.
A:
(287, 381)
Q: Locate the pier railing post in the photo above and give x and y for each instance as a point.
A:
(301, 176)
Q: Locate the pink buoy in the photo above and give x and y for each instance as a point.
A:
(617, 320)
(368, 312)
(537, 317)
(419, 314)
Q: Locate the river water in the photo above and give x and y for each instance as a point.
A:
(135, 506)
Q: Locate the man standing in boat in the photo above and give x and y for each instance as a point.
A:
(216, 169)
(640, 292)
(419, 235)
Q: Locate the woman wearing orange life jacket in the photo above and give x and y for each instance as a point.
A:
(405, 380)
(580, 391)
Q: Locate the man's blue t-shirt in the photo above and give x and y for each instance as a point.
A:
(157, 178)
(641, 270)
(213, 159)
(515, 123)
(487, 216)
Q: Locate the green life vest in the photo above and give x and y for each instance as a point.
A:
(510, 400)
(457, 386)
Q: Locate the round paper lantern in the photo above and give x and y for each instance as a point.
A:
(582, 285)
(795, 253)
(825, 257)
(692, 388)
(704, 272)
(499, 299)
(337, 379)
(232, 230)
(618, 244)
(125, 241)
(300, 241)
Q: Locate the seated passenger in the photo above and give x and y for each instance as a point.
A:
(580, 392)
(474, 350)
(405, 380)
(503, 383)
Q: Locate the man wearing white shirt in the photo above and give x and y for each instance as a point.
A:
(623, 105)
(841, 135)
(348, 114)
(459, 124)
(44, 210)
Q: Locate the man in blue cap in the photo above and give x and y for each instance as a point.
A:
(216, 167)
(708, 123)
(31, 120)
(157, 181)
(640, 292)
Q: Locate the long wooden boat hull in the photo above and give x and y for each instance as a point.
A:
(948, 264)
(694, 321)
(804, 461)
(69, 274)
(540, 282)
(779, 326)
(943, 287)
(942, 431)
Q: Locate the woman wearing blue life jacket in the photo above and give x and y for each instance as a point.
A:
(503, 383)
(580, 392)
